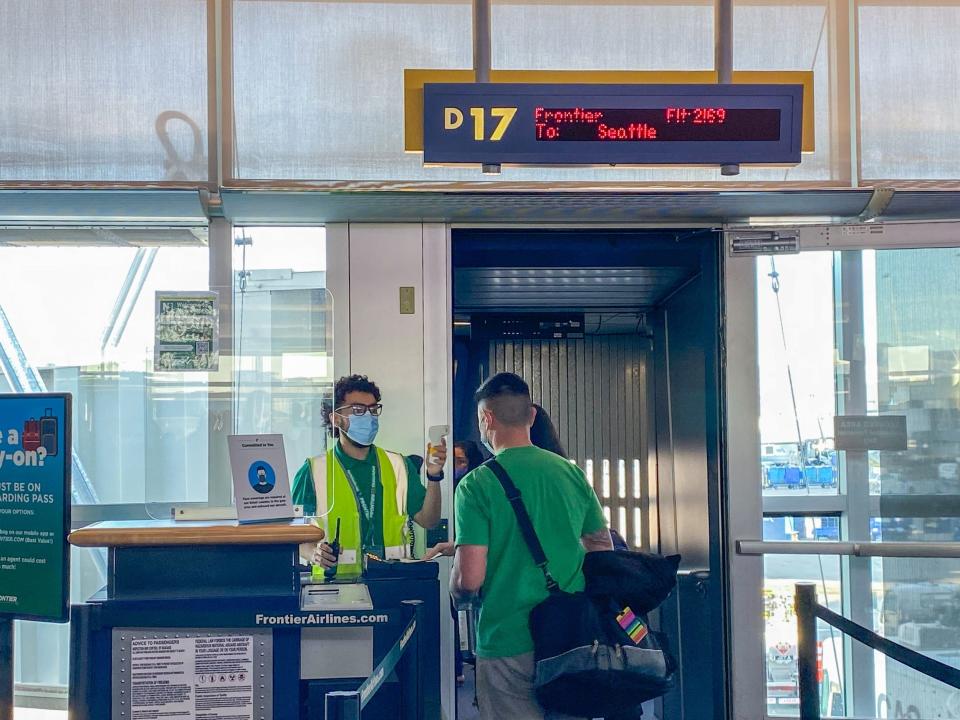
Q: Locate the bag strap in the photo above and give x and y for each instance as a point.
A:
(523, 520)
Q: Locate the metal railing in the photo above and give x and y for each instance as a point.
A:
(853, 549)
(809, 611)
(407, 657)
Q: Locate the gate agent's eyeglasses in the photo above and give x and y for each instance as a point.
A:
(358, 409)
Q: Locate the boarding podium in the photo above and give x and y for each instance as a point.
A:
(217, 620)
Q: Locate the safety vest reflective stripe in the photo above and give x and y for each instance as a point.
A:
(335, 500)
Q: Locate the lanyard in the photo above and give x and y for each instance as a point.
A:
(369, 511)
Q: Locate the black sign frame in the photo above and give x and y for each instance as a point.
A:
(495, 123)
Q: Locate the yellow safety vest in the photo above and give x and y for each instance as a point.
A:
(336, 501)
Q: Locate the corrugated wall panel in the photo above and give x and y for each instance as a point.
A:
(591, 389)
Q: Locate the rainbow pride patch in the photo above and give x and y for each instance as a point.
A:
(632, 625)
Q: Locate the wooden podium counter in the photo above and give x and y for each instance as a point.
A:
(188, 604)
(167, 559)
(144, 533)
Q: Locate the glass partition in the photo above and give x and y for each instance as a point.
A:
(283, 325)
(117, 90)
(81, 310)
(273, 376)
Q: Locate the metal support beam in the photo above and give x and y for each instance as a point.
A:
(132, 301)
(481, 40)
(856, 572)
(121, 298)
(723, 55)
(482, 52)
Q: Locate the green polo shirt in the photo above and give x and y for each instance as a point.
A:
(366, 475)
(562, 507)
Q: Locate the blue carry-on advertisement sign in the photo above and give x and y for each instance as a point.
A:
(35, 459)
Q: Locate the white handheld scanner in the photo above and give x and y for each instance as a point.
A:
(436, 432)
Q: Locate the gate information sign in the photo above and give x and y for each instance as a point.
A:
(35, 461)
(554, 124)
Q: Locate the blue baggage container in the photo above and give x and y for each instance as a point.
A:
(793, 478)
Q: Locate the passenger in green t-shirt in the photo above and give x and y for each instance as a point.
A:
(491, 555)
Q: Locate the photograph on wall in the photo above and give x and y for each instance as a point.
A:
(187, 332)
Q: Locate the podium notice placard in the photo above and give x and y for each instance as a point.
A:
(35, 462)
(261, 487)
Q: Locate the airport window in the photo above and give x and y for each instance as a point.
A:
(797, 375)
(87, 327)
(318, 86)
(915, 602)
(792, 35)
(78, 314)
(104, 90)
(781, 573)
(898, 43)
(865, 333)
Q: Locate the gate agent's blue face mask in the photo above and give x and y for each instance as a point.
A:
(363, 428)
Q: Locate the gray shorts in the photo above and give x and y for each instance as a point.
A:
(505, 690)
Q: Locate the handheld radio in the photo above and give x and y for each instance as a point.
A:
(331, 572)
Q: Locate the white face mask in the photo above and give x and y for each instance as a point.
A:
(485, 439)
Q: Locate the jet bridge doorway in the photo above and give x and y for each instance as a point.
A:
(618, 334)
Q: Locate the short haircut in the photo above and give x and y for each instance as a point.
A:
(353, 383)
(507, 396)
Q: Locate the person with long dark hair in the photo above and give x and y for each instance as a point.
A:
(543, 433)
(466, 457)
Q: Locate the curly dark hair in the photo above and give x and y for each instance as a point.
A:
(343, 387)
(353, 383)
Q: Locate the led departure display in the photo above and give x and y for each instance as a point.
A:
(671, 124)
(612, 124)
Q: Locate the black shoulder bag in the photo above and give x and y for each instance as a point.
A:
(594, 657)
